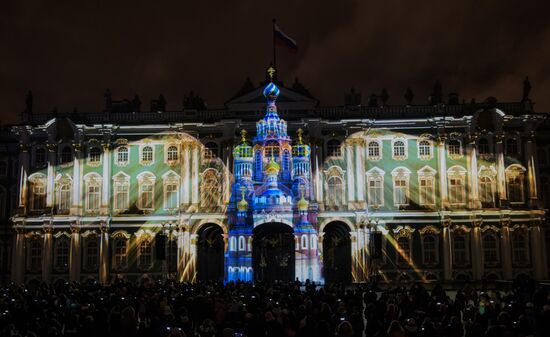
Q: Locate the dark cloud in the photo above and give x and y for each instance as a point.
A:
(69, 52)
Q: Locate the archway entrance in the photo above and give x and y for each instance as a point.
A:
(337, 253)
(210, 253)
(273, 255)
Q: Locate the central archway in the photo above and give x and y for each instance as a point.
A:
(210, 253)
(273, 254)
(337, 253)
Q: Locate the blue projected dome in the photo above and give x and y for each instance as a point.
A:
(271, 91)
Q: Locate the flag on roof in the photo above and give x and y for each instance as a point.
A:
(284, 40)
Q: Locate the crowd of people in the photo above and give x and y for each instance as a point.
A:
(168, 308)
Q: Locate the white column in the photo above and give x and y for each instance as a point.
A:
(318, 177)
(23, 174)
(349, 172)
(183, 254)
(186, 179)
(191, 273)
(360, 171)
(473, 177)
(47, 258)
(355, 268)
(77, 178)
(442, 172)
(18, 259)
(195, 175)
(506, 252)
(74, 255)
(106, 175)
(447, 252)
(501, 177)
(52, 156)
(530, 156)
(104, 255)
(477, 252)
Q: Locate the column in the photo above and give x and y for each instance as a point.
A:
(355, 268)
(52, 156)
(473, 175)
(195, 175)
(24, 164)
(105, 183)
(318, 176)
(442, 172)
(104, 264)
(349, 172)
(447, 251)
(477, 251)
(360, 171)
(505, 251)
(185, 167)
(47, 255)
(18, 259)
(77, 179)
(532, 177)
(537, 252)
(74, 255)
(320, 237)
(191, 273)
(501, 177)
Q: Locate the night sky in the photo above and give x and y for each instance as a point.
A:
(68, 52)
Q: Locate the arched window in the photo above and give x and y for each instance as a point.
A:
(313, 241)
(210, 190)
(242, 244)
(172, 153)
(453, 148)
(486, 191)
(145, 253)
(304, 241)
(211, 150)
(93, 194)
(424, 149)
(122, 155)
(40, 157)
(147, 154)
(490, 249)
(66, 155)
(403, 250)
(460, 250)
(35, 253)
(542, 157)
(373, 150)
(483, 146)
(430, 249)
(520, 255)
(64, 198)
(334, 148)
(92, 252)
(399, 149)
(94, 155)
(335, 191)
(511, 147)
(120, 257)
(62, 254)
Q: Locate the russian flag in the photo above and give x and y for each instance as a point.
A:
(284, 40)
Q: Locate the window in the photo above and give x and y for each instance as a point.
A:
(146, 195)
(460, 249)
(376, 191)
(426, 189)
(403, 250)
(171, 196)
(334, 148)
(92, 251)
(430, 249)
(271, 150)
(399, 149)
(453, 148)
(94, 155)
(122, 195)
(147, 154)
(38, 197)
(35, 254)
(511, 147)
(515, 188)
(486, 191)
(40, 157)
(211, 150)
(483, 147)
(519, 248)
(424, 149)
(66, 155)
(62, 254)
(122, 155)
(145, 254)
(3, 168)
(490, 249)
(400, 191)
(242, 244)
(373, 149)
(172, 153)
(456, 191)
(64, 201)
(210, 190)
(120, 253)
(93, 196)
(335, 192)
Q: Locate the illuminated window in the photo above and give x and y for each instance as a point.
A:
(232, 243)
(483, 146)
(430, 249)
(211, 150)
(334, 148)
(92, 252)
(520, 252)
(403, 250)
(373, 150)
(271, 150)
(304, 241)
(122, 155)
(146, 195)
(490, 249)
(453, 148)
(427, 191)
(120, 245)
(242, 244)
(95, 155)
(147, 154)
(399, 149)
(424, 149)
(172, 153)
(122, 195)
(145, 254)
(515, 188)
(35, 254)
(486, 191)
(93, 195)
(40, 157)
(211, 193)
(170, 196)
(64, 198)
(38, 193)
(400, 191)
(456, 191)
(335, 191)
(61, 254)
(376, 191)
(511, 147)
(66, 155)
(460, 250)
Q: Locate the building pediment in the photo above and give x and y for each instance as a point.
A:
(288, 99)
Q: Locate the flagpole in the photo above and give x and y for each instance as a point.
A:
(274, 50)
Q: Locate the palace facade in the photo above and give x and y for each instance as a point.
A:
(276, 187)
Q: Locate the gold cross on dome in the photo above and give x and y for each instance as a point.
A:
(271, 71)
